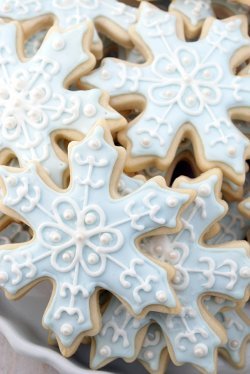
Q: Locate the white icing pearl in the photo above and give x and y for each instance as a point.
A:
(206, 92)
(149, 355)
(177, 279)
(234, 344)
(105, 238)
(11, 181)
(170, 68)
(161, 296)
(79, 237)
(19, 83)
(200, 350)
(232, 151)
(3, 277)
(10, 122)
(186, 60)
(172, 202)
(34, 115)
(93, 259)
(6, 8)
(168, 94)
(245, 272)
(67, 256)
(105, 74)
(158, 249)
(207, 73)
(173, 255)
(204, 190)
(89, 110)
(190, 100)
(66, 329)
(58, 43)
(38, 93)
(68, 214)
(146, 142)
(90, 219)
(105, 351)
(3, 93)
(55, 237)
(94, 144)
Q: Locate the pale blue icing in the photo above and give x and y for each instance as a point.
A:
(153, 345)
(34, 102)
(184, 82)
(199, 270)
(83, 236)
(198, 11)
(71, 12)
(237, 325)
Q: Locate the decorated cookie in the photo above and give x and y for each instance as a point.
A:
(36, 107)
(192, 336)
(237, 325)
(85, 234)
(195, 12)
(188, 89)
(110, 16)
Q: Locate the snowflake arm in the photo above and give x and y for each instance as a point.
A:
(117, 16)
(84, 235)
(35, 103)
(182, 85)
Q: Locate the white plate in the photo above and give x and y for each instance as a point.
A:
(20, 323)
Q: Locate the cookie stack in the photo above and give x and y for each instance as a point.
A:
(124, 177)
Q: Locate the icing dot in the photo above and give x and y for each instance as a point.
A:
(186, 60)
(159, 249)
(38, 93)
(168, 94)
(200, 350)
(105, 74)
(177, 279)
(90, 219)
(55, 237)
(105, 351)
(10, 122)
(58, 43)
(11, 181)
(89, 110)
(93, 259)
(232, 151)
(190, 100)
(34, 115)
(6, 8)
(3, 93)
(172, 202)
(204, 190)
(170, 68)
(245, 272)
(79, 237)
(149, 355)
(105, 238)
(173, 255)
(146, 142)
(234, 344)
(207, 92)
(67, 256)
(19, 83)
(161, 296)
(66, 329)
(68, 214)
(94, 144)
(3, 277)
(207, 73)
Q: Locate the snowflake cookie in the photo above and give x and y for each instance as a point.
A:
(195, 12)
(192, 336)
(110, 16)
(189, 89)
(83, 235)
(237, 325)
(36, 107)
